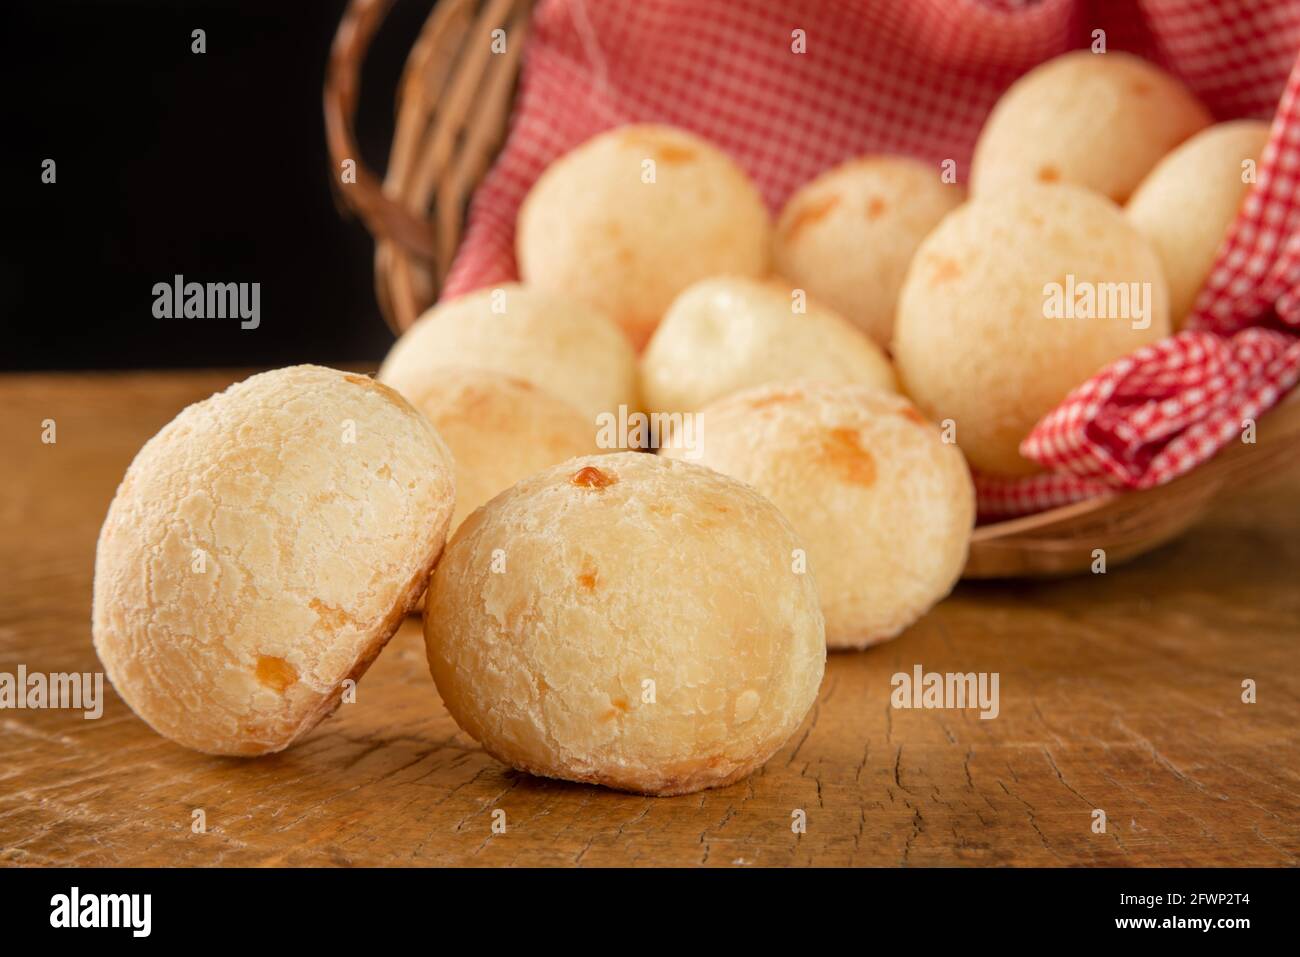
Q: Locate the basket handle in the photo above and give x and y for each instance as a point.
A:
(384, 217)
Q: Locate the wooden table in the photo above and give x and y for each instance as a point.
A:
(1120, 692)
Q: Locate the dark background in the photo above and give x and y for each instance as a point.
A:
(213, 166)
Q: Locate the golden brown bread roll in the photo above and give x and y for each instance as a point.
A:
(884, 507)
(262, 548)
(1098, 120)
(730, 333)
(847, 236)
(559, 345)
(499, 429)
(1186, 204)
(994, 326)
(636, 214)
(626, 620)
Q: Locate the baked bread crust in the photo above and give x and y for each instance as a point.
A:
(973, 339)
(1186, 204)
(884, 507)
(848, 235)
(500, 429)
(593, 227)
(261, 549)
(730, 333)
(556, 602)
(550, 340)
(1100, 121)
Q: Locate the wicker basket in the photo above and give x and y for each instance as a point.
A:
(452, 108)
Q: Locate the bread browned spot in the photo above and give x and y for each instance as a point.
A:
(909, 413)
(944, 269)
(775, 398)
(275, 673)
(660, 148)
(669, 153)
(875, 207)
(475, 397)
(811, 212)
(591, 477)
(843, 453)
(1049, 174)
(619, 708)
(777, 284)
(589, 575)
(331, 616)
(388, 393)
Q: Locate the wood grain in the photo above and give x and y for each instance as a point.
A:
(1119, 691)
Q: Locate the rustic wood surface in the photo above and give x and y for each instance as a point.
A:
(1120, 692)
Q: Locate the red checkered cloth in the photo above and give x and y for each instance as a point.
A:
(918, 77)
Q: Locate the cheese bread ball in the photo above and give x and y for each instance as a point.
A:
(883, 505)
(1099, 120)
(728, 333)
(848, 236)
(1186, 204)
(500, 429)
(635, 215)
(568, 349)
(1014, 300)
(262, 548)
(629, 621)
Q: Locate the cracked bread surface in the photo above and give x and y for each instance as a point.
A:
(559, 600)
(261, 549)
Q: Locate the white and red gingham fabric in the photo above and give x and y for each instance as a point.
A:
(918, 77)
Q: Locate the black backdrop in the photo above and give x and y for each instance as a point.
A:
(212, 166)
